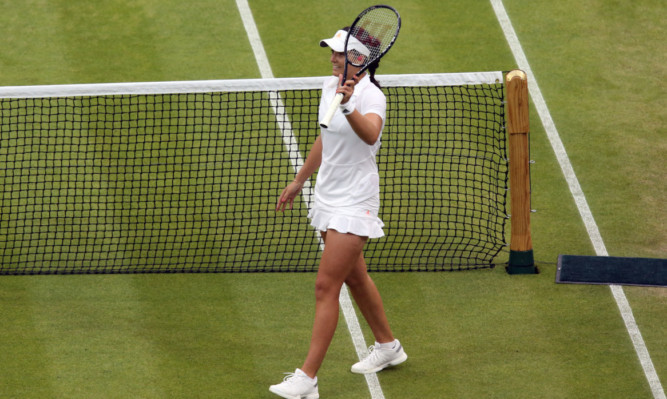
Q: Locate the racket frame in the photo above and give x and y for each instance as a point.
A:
(339, 96)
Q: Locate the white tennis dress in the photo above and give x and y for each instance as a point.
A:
(347, 190)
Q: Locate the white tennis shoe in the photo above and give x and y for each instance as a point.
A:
(297, 385)
(380, 358)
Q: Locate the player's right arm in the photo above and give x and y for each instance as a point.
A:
(313, 161)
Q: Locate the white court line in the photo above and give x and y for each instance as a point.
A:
(579, 198)
(297, 161)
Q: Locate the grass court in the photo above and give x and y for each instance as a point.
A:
(475, 334)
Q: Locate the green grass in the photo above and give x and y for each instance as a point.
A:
(469, 335)
(157, 336)
(602, 82)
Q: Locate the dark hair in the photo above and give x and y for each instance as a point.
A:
(369, 41)
(371, 71)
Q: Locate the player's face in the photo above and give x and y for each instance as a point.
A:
(337, 62)
(338, 65)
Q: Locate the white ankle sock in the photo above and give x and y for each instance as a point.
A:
(387, 345)
(301, 373)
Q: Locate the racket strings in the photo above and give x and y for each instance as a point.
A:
(376, 30)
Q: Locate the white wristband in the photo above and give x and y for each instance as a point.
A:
(348, 107)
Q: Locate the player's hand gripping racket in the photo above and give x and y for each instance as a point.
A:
(370, 37)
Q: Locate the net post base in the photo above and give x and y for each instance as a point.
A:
(521, 262)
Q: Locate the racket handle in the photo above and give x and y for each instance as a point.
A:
(331, 111)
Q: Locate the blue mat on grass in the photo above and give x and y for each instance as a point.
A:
(611, 270)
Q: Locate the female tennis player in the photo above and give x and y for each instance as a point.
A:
(345, 211)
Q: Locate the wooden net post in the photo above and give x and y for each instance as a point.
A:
(521, 244)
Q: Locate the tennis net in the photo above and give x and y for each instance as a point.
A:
(184, 176)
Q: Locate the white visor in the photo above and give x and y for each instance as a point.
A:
(337, 43)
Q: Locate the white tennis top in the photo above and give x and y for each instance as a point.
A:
(348, 175)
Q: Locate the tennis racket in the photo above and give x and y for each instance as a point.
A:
(376, 28)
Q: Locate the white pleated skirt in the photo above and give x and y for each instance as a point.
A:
(360, 221)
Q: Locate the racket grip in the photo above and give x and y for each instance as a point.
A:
(331, 111)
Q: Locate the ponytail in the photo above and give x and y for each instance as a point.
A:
(371, 71)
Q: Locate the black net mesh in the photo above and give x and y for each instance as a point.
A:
(189, 182)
